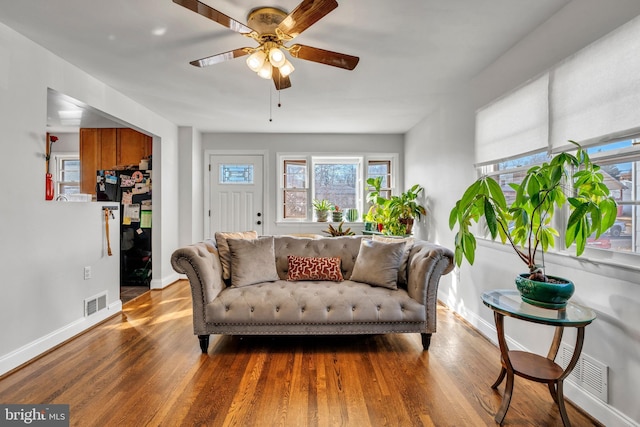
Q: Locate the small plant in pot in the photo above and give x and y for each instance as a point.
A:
(322, 208)
(336, 213)
(526, 224)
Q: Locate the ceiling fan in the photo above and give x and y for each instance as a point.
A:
(272, 28)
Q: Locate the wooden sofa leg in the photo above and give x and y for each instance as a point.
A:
(204, 343)
(426, 341)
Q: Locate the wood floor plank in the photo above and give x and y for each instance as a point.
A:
(144, 367)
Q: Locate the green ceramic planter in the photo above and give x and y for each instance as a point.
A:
(545, 294)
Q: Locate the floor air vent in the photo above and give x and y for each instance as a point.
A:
(95, 303)
(588, 374)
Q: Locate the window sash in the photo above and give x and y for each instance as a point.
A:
(64, 173)
(287, 210)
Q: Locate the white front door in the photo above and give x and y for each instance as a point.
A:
(236, 198)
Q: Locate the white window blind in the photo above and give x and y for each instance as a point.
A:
(515, 124)
(596, 92)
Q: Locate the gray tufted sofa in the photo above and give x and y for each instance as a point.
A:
(313, 307)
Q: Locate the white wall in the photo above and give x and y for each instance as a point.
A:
(68, 142)
(191, 186)
(446, 139)
(45, 245)
(290, 143)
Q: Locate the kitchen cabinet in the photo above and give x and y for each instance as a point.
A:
(109, 148)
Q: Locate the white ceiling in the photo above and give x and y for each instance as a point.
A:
(412, 53)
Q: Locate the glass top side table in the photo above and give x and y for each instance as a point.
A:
(507, 302)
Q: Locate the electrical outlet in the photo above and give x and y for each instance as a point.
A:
(87, 273)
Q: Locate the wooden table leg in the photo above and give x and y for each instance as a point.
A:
(567, 371)
(503, 372)
(507, 368)
(563, 410)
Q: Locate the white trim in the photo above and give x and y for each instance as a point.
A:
(165, 281)
(36, 348)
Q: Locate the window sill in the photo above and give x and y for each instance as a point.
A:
(596, 261)
(307, 222)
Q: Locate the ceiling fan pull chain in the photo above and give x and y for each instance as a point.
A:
(270, 105)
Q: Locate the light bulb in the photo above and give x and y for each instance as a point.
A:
(265, 71)
(286, 69)
(276, 57)
(256, 60)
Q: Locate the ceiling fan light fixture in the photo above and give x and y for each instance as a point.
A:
(276, 57)
(266, 71)
(256, 60)
(286, 69)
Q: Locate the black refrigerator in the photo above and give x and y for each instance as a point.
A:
(131, 188)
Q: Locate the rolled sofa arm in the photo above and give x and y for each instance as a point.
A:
(427, 263)
(201, 263)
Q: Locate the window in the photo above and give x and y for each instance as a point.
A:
(67, 175)
(295, 189)
(512, 171)
(620, 162)
(338, 179)
(376, 168)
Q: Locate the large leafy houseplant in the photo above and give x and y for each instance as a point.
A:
(394, 215)
(403, 209)
(526, 224)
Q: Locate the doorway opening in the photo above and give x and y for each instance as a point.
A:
(114, 164)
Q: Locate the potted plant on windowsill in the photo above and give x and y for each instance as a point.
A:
(322, 208)
(336, 214)
(526, 224)
(403, 209)
(377, 211)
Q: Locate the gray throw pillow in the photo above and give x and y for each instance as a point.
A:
(377, 263)
(223, 248)
(252, 261)
(404, 264)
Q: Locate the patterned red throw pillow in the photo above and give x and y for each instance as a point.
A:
(314, 268)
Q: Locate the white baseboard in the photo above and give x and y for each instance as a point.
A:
(36, 348)
(601, 411)
(164, 282)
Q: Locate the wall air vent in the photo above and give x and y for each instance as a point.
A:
(95, 303)
(589, 374)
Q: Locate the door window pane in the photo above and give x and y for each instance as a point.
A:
(236, 174)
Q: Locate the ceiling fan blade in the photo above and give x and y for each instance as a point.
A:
(280, 81)
(305, 15)
(214, 15)
(221, 57)
(322, 56)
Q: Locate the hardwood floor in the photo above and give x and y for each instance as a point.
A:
(144, 367)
